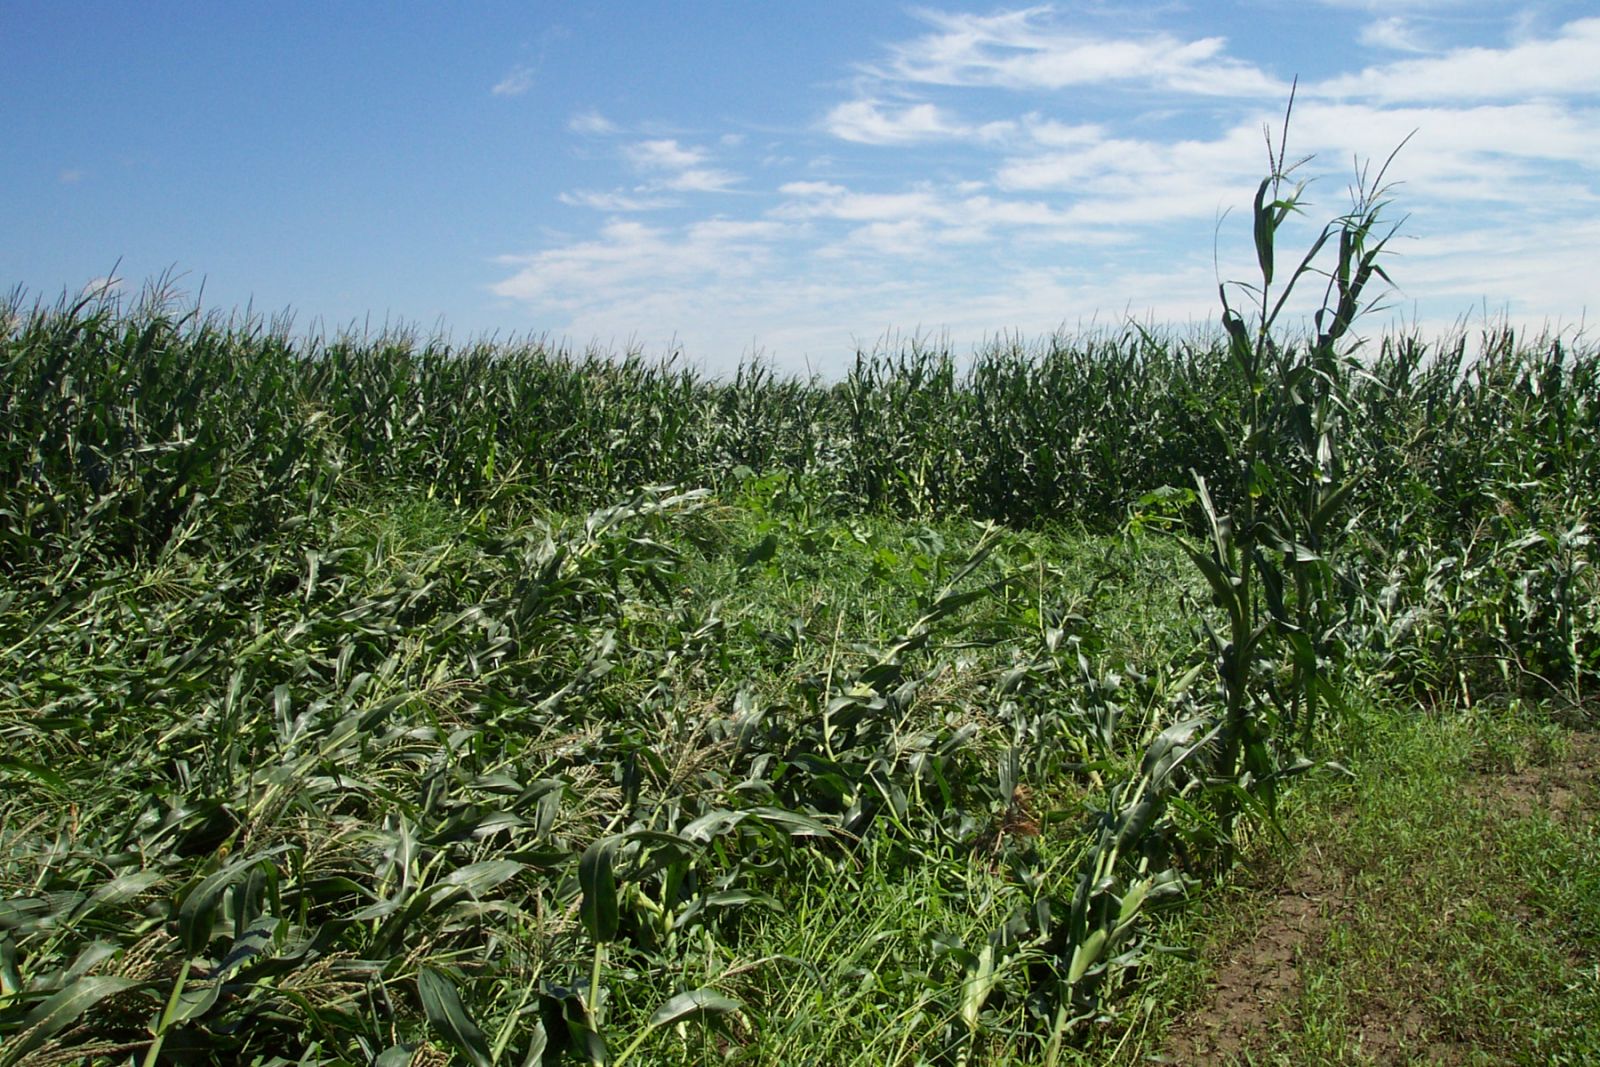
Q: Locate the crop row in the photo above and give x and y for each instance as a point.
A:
(124, 430)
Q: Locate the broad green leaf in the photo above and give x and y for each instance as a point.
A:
(1265, 229)
(10, 978)
(1085, 955)
(27, 769)
(479, 878)
(597, 879)
(1132, 901)
(60, 1011)
(798, 825)
(538, 1041)
(124, 887)
(696, 1002)
(449, 1017)
(976, 987)
(200, 904)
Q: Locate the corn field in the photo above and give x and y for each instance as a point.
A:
(371, 699)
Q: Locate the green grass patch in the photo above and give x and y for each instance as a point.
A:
(1441, 906)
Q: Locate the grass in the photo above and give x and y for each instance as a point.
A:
(1440, 906)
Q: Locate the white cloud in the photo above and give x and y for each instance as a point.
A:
(1125, 180)
(70, 177)
(897, 238)
(664, 155)
(828, 200)
(811, 189)
(954, 215)
(1054, 134)
(1394, 33)
(905, 226)
(699, 180)
(1482, 153)
(1531, 275)
(591, 122)
(1566, 65)
(614, 201)
(1500, 150)
(1028, 50)
(869, 122)
(678, 166)
(515, 83)
(1412, 5)
(817, 319)
(629, 258)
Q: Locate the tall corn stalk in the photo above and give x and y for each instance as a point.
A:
(1271, 563)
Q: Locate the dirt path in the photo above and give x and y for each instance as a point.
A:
(1262, 974)
(1254, 994)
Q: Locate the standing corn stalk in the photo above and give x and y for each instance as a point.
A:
(1271, 563)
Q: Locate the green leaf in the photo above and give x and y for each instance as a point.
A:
(1085, 955)
(762, 552)
(10, 978)
(124, 887)
(479, 878)
(447, 1015)
(597, 878)
(1221, 583)
(43, 775)
(15, 913)
(1132, 901)
(198, 907)
(578, 1025)
(59, 1012)
(1239, 346)
(538, 1041)
(798, 825)
(696, 1002)
(978, 984)
(1265, 226)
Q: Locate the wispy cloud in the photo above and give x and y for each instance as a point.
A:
(1502, 152)
(591, 122)
(1030, 50)
(664, 155)
(678, 167)
(1565, 65)
(518, 81)
(698, 180)
(70, 177)
(904, 224)
(616, 202)
(628, 259)
(1531, 267)
(1420, 7)
(1394, 33)
(870, 122)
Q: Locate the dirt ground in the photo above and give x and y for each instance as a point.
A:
(1252, 993)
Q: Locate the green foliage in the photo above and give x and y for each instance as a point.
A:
(369, 698)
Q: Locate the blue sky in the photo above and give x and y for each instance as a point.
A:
(797, 180)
